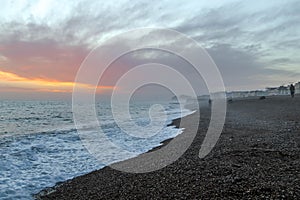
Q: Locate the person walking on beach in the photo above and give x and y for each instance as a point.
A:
(292, 89)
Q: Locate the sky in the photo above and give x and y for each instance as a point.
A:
(255, 44)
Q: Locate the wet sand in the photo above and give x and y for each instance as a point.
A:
(256, 157)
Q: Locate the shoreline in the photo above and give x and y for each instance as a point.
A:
(257, 156)
(49, 190)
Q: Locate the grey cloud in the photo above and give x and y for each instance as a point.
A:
(230, 24)
(241, 67)
(238, 40)
(86, 23)
(244, 43)
(236, 65)
(281, 61)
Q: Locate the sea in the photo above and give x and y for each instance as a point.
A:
(40, 146)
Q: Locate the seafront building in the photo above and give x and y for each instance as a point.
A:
(283, 90)
(243, 94)
(269, 91)
(297, 88)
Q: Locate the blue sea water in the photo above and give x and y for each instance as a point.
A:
(40, 146)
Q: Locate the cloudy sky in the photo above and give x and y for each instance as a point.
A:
(255, 44)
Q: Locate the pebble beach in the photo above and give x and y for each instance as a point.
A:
(256, 157)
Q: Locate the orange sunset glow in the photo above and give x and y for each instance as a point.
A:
(11, 80)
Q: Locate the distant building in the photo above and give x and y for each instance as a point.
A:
(272, 91)
(203, 97)
(297, 88)
(218, 95)
(235, 94)
(283, 90)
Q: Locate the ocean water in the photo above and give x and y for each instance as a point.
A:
(40, 146)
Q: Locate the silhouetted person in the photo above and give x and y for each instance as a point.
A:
(292, 89)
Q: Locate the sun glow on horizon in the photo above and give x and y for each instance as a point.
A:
(11, 81)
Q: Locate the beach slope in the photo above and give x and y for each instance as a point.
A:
(256, 157)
